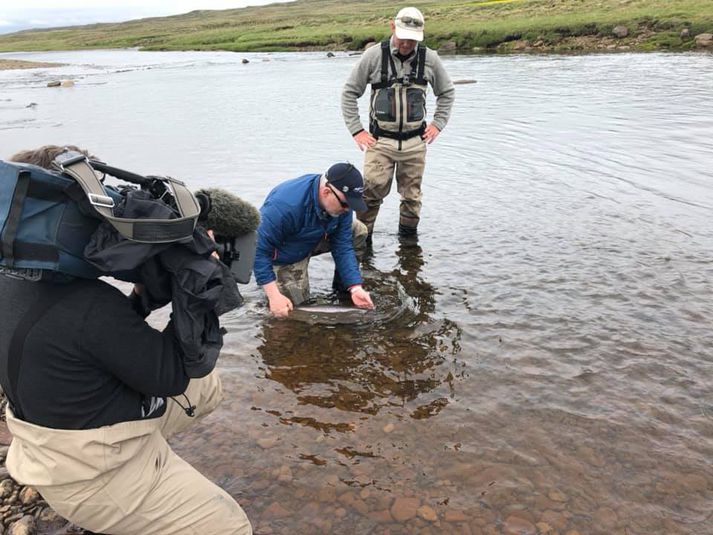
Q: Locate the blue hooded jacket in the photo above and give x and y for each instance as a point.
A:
(291, 225)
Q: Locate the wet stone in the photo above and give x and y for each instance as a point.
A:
(24, 526)
(405, 508)
(361, 506)
(276, 510)
(267, 442)
(347, 498)
(382, 517)
(556, 496)
(388, 428)
(285, 474)
(327, 494)
(4, 474)
(6, 488)
(28, 495)
(454, 515)
(427, 513)
(604, 517)
(556, 519)
(260, 484)
(514, 525)
(49, 515)
(543, 528)
(332, 480)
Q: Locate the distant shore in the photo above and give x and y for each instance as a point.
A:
(451, 26)
(8, 64)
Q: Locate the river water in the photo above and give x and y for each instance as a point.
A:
(554, 367)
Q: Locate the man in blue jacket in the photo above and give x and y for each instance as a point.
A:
(303, 217)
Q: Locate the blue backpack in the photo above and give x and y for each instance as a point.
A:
(45, 224)
(47, 218)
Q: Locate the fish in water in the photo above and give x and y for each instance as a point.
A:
(390, 299)
(330, 314)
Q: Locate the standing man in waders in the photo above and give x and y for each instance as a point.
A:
(399, 72)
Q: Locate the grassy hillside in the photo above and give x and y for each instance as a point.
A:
(496, 25)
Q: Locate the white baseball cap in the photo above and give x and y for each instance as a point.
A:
(409, 24)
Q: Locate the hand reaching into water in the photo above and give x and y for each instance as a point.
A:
(361, 298)
(280, 305)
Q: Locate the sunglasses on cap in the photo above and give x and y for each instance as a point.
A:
(411, 21)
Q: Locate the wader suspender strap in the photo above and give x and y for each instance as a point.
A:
(13, 217)
(385, 57)
(421, 60)
(140, 230)
(386, 60)
(46, 301)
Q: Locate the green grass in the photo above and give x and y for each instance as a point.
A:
(349, 24)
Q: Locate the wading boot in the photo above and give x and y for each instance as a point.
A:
(408, 236)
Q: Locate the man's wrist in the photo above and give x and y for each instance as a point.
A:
(354, 288)
(355, 134)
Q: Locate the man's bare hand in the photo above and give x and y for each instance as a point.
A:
(280, 305)
(430, 134)
(361, 298)
(364, 140)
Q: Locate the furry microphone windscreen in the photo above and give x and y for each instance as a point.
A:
(229, 215)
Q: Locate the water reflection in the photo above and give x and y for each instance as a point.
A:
(363, 370)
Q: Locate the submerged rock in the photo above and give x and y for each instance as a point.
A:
(54, 83)
(427, 513)
(405, 508)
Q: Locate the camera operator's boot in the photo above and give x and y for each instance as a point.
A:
(408, 236)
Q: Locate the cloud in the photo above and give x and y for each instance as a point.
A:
(44, 13)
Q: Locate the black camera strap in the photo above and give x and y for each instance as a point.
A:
(76, 165)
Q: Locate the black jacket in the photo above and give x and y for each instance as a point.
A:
(91, 360)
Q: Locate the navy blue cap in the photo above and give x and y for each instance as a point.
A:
(347, 179)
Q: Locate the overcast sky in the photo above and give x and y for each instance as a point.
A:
(46, 13)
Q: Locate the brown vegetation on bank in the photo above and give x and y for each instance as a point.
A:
(8, 64)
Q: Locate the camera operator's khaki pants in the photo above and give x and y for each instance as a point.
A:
(124, 478)
(384, 161)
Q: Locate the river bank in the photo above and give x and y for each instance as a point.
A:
(9, 64)
(451, 25)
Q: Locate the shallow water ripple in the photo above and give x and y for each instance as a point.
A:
(553, 371)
